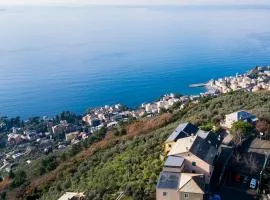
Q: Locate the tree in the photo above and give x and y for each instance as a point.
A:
(19, 179)
(207, 127)
(176, 105)
(263, 126)
(241, 130)
(120, 130)
(11, 174)
(162, 110)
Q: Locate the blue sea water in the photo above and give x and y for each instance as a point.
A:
(72, 58)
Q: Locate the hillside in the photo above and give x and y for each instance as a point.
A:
(130, 163)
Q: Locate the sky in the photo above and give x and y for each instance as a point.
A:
(132, 2)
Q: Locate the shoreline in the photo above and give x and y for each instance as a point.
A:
(212, 87)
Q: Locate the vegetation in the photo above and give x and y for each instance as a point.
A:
(127, 159)
(241, 130)
(213, 110)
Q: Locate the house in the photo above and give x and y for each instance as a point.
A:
(71, 136)
(189, 165)
(14, 139)
(238, 116)
(183, 130)
(199, 152)
(91, 120)
(180, 186)
(72, 196)
(63, 127)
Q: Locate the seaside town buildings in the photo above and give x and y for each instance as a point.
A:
(63, 127)
(107, 116)
(165, 102)
(254, 80)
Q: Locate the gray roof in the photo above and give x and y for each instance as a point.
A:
(206, 148)
(242, 115)
(183, 130)
(199, 180)
(174, 161)
(168, 180)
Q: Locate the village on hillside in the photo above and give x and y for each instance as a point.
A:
(254, 80)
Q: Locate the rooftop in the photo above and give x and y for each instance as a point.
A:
(204, 145)
(183, 130)
(174, 161)
(241, 115)
(186, 182)
(182, 145)
(205, 149)
(71, 195)
(193, 183)
(168, 180)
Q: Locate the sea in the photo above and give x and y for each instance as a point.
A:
(78, 57)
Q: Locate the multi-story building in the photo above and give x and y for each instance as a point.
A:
(189, 165)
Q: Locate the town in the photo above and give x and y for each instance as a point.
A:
(254, 80)
(47, 135)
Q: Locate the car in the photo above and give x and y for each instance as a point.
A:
(253, 183)
(245, 180)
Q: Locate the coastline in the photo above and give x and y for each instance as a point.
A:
(213, 87)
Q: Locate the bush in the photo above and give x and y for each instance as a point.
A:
(19, 178)
(241, 130)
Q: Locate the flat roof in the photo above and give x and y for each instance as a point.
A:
(168, 180)
(174, 161)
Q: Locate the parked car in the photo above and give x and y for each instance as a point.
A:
(245, 180)
(253, 183)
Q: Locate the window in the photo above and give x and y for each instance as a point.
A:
(164, 193)
(193, 171)
(170, 146)
(186, 196)
(193, 163)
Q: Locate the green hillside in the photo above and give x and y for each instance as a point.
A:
(132, 163)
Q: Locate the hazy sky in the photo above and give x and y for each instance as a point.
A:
(130, 2)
